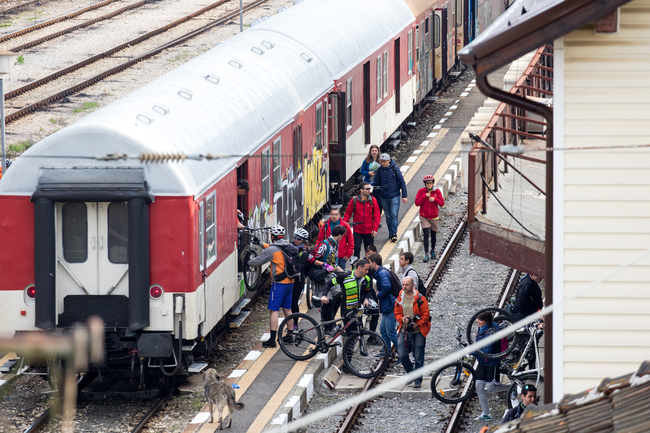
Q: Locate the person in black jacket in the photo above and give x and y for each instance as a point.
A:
(528, 397)
(529, 297)
(389, 178)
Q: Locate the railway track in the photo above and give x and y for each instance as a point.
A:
(43, 102)
(48, 23)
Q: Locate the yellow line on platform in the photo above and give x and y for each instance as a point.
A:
(413, 211)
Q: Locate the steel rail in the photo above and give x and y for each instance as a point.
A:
(354, 411)
(18, 7)
(509, 285)
(89, 82)
(446, 254)
(154, 410)
(52, 21)
(51, 36)
(92, 59)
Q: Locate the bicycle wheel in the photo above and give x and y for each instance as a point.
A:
(514, 392)
(501, 318)
(302, 343)
(454, 383)
(365, 354)
(252, 275)
(309, 289)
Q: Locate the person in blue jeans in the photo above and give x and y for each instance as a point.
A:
(390, 181)
(386, 300)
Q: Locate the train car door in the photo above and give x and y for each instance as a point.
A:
(451, 35)
(440, 42)
(336, 143)
(92, 242)
(461, 18)
(366, 102)
(418, 74)
(428, 51)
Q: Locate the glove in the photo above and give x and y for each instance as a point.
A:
(255, 240)
(328, 267)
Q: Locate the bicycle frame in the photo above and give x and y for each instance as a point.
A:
(516, 370)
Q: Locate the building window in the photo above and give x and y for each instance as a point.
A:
(319, 126)
(348, 103)
(118, 233)
(266, 175)
(210, 229)
(75, 232)
(379, 77)
(385, 73)
(410, 51)
(277, 172)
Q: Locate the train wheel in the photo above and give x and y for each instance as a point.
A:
(252, 275)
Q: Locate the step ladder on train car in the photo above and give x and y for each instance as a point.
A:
(237, 313)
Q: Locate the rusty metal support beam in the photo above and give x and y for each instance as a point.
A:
(520, 133)
(536, 89)
(522, 118)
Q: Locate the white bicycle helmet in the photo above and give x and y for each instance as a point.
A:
(277, 231)
(301, 234)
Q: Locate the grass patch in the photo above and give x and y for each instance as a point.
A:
(6, 23)
(87, 106)
(184, 56)
(52, 120)
(20, 60)
(20, 147)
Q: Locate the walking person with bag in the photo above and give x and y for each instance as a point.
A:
(364, 212)
(414, 320)
(389, 178)
(429, 199)
(386, 300)
(346, 244)
(369, 167)
(282, 286)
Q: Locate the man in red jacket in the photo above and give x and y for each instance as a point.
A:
(364, 212)
(428, 199)
(346, 244)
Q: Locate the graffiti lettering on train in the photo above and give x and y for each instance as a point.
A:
(289, 205)
(316, 169)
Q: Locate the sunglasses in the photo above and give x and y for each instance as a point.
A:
(367, 189)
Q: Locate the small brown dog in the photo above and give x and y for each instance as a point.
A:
(221, 395)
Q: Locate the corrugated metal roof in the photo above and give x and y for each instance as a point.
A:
(341, 32)
(234, 116)
(529, 24)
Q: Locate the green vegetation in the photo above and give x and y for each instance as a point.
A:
(6, 23)
(183, 57)
(52, 120)
(20, 147)
(20, 60)
(87, 106)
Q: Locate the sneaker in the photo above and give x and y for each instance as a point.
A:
(394, 238)
(269, 343)
(426, 257)
(380, 355)
(417, 385)
(288, 338)
(379, 225)
(483, 417)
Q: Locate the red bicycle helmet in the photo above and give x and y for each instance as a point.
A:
(428, 178)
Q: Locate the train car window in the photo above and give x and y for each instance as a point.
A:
(417, 44)
(277, 172)
(348, 103)
(436, 31)
(459, 13)
(75, 232)
(266, 175)
(319, 126)
(426, 26)
(379, 76)
(210, 229)
(410, 51)
(118, 233)
(297, 147)
(201, 237)
(385, 73)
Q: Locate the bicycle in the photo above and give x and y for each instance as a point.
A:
(365, 353)
(456, 381)
(521, 373)
(249, 248)
(503, 319)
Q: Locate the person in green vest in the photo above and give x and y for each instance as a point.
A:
(354, 289)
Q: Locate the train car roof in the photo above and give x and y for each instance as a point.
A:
(226, 101)
(419, 6)
(341, 32)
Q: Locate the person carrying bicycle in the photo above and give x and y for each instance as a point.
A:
(414, 320)
(346, 243)
(488, 375)
(282, 285)
(353, 287)
(364, 213)
(300, 237)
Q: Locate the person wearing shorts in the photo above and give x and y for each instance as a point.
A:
(429, 199)
(282, 285)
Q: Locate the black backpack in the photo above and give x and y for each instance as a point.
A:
(395, 284)
(421, 287)
(292, 266)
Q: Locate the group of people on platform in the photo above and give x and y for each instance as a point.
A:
(405, 319)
